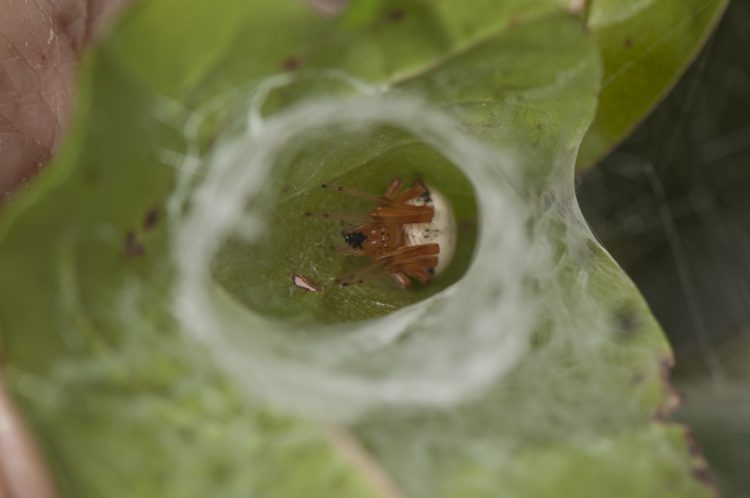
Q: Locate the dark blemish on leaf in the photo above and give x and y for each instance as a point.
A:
(626, 322)
(337, 188)
(395, 15)
(628, 42)
(672, 397)
(133, 247)
(666, 364)
(291, 64)
(703, 475)
(700, 470)
(692, 443)
(149, 221)
(672, 402)
(285, 189)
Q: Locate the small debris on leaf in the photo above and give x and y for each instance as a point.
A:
(304, 283)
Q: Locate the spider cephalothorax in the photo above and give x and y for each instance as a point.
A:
(408, 234)
(354, 238)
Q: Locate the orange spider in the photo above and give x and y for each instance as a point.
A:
(402, 234)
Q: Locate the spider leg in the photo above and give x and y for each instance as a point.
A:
(401, 279)
(417, 189)
(349, 251)
(422, 275)
(357, 193)
(379, 215)
(338, 217)
(407, 252)
(417, 267)
(359, 274)
(392, 190)
(411, 257)
(403, 213)
(419, 263)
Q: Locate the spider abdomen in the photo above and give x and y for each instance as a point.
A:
(441, 230)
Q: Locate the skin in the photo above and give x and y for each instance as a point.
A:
(41, 45)
(23, 472)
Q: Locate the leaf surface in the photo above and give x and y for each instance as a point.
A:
(645, 45)
(125, 405)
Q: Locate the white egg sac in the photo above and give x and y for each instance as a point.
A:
(441, 230)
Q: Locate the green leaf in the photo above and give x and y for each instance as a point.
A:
(126, 404)
(645, 45)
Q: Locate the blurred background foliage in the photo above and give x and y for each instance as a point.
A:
(672, 204)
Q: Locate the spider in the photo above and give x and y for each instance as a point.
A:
(408, 234)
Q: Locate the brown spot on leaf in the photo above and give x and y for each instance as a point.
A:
(673, 397)
(703, 475)
(149, 221)
(692, 443)
(395, 15)
(133, 247)
(626, 321)
(700, 470)
(628, 42)
(292, 63)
